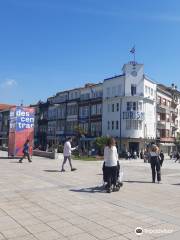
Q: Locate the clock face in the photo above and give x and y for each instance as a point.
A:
(134, 73)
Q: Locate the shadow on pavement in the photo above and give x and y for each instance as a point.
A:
(96, 189)
(137, 181)
(176, 184)
(51, 170)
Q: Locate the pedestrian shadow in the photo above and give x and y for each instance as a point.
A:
(137, 181)
(176, 184)
(9, 158)
(52, 170)
(97, 189)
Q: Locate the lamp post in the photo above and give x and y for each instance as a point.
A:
(120, 126)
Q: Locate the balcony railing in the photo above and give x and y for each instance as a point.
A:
(167, 139)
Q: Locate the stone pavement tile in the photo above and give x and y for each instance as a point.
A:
(102, 233)
(89, 226)
(29, 221)
(69, 231)
(1, 237)
(17, 232)
(50, 235)
(37, 228)
(49, 218)
(121, 237)
(133, 236)
(121, 229)
(172, 236)
(27, 237)
(82, 236)
(106, 222)
(59, 224)
(8, 223)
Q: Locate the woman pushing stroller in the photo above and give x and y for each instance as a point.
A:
(111, 166)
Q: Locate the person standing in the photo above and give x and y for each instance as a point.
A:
(110, 162)
(161, 155)
(177, 157)
(155, 164)
(26, 152)
(67, 154)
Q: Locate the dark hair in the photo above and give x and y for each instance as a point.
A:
(69, 138)
(111, 142)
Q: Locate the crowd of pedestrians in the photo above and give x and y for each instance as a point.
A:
(111, 165)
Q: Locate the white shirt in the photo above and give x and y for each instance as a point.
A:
(110, 156)
(67, 149)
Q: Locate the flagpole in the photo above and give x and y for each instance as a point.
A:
(134, 54)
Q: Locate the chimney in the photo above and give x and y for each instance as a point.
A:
(172, 85)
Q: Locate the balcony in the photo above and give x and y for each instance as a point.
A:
(167, 139)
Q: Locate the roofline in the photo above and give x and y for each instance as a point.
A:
(116, 76)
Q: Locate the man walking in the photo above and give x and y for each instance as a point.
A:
(25, 152)
(67, 154)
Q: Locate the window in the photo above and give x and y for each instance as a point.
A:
(168, 103)
(99, 109)
(117, 124)
(117, 107)
(112, 107)
(93, 110)
(164, 101)
(159, 100)
(140, 125)
(168, 117)
(112, 125)
(128, 124)
(133, 89)
(129, 106)
(134, 106)
(108, 92)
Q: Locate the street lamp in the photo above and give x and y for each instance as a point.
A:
(120, 125)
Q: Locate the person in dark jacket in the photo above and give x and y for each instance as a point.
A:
(161, 155)
(155, 164)
(26, 152)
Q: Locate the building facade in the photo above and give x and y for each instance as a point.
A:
(129, 108)
(168, 116)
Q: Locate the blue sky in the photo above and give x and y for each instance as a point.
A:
(51, 45)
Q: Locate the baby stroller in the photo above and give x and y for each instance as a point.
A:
(116, 180)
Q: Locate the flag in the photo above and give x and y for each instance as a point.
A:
(133, 50)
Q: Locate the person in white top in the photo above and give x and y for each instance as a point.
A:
(111, 162)
(67, 154)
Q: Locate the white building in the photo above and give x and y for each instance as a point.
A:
(129, 108)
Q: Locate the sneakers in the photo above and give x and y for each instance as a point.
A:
(109, 190)
(20, 161)
(62, 170)
(73, 169)
(30, 161)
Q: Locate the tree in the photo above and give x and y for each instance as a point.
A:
(100, 144)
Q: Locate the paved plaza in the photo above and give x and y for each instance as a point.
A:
(39, 202)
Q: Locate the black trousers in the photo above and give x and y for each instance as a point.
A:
(111, 175)
(156, 170)
(26, 155)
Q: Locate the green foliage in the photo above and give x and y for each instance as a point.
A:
(60, 149)
(100, 144)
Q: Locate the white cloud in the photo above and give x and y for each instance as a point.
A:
(8, 83)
